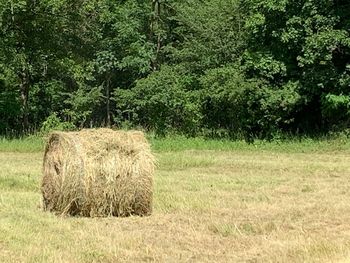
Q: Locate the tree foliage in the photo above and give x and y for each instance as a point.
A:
(251, 68)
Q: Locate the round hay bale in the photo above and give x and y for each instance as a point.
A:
(98, 173)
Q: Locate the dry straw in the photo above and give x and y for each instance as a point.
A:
(98, 173)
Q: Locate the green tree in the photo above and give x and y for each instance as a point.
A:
(34, 34)
(301, 41)
(162, 102)
(205, 34)
(123, 53)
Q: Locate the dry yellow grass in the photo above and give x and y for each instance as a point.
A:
(209, 206)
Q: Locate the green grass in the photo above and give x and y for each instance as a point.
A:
(26, 144)
(214, 201)
(182, 143)
(179, 143)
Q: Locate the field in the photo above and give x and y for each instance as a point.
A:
(215, 201)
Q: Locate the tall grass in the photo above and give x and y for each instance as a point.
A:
(180, 143)
(36, 143)
(25, 144)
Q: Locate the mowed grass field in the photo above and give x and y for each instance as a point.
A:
(214, 201)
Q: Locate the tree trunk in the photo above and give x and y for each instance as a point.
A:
(108, 101)
(155, 26)
(24, 90)
(158, 35)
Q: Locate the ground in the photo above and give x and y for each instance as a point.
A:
(211, 204)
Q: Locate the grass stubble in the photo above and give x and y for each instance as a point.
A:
(238, 205)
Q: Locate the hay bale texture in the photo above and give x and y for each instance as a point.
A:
(98, 173)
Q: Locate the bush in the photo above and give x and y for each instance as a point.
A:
(54, 123)
(223, 100)
(243, 106)
(165, 101)
(336, 110)
(10, 110)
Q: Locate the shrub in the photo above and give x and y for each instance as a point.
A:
(54, 123)
(164, 101)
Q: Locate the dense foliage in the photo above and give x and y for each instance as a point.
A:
(235, 68)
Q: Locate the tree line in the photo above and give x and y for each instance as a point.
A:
(236, 68)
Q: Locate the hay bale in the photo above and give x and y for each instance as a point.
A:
(98, 173)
